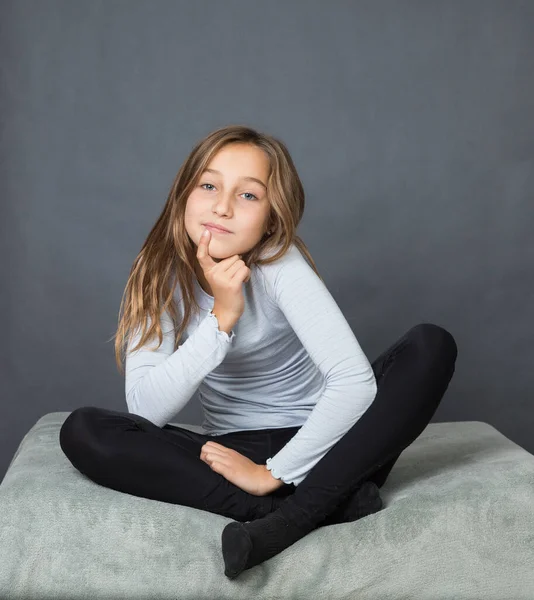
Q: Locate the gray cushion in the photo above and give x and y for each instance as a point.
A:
(458, 522)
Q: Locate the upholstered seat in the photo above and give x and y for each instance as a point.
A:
(458, 522)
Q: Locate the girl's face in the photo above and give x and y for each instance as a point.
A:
(227, 194)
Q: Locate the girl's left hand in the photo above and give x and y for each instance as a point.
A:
(238, 469)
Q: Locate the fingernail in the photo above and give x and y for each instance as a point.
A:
(205, 232)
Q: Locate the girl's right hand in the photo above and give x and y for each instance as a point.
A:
(226, 278)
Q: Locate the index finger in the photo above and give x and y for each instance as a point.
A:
(203, 254)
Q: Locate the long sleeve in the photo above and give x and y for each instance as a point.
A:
(159, 383)
(350, 384)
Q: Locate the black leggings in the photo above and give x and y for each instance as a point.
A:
(128, 453)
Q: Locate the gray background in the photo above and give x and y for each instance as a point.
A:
(412, 127)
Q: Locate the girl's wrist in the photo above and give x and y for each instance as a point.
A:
(271, 483)
(225, 322)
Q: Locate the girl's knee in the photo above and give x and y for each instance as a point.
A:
(436, 340)
(74, 426)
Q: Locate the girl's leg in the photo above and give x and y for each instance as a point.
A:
(130, 454)
(381, 474)
(412, 377)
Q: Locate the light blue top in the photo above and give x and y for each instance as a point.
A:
(291, 360)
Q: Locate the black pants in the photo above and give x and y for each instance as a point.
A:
(128, 453)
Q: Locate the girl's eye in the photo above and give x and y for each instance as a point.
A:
(203, 184)
(250, 194)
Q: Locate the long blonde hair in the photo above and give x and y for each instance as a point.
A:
(168, 255)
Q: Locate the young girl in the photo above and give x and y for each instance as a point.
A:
(301, 430)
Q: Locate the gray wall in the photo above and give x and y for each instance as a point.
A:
(411, 124)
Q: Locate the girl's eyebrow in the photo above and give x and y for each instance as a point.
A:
(244, 178)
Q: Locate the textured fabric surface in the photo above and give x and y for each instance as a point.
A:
(457, 522)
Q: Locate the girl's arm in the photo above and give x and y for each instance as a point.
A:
(159, 383)
(350, 384)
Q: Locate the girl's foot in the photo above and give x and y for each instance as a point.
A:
(245, 545)
(364, 501)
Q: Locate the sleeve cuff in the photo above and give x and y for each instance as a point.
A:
(223, 334)
(274, 471)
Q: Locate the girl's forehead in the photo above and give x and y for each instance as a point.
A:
(244, 155)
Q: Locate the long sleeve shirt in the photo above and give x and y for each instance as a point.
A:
(290, 360)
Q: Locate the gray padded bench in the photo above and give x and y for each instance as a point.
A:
(458, 522)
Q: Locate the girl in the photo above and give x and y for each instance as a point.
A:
(306, 428)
